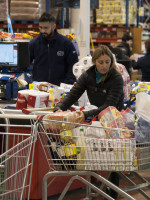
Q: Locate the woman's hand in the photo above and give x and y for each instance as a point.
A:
(80, 117)
(59, 110)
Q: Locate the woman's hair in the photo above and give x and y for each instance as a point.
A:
(46, 17)
(147, 45)
(103, 50)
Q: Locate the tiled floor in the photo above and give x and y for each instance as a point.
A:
(80, 193)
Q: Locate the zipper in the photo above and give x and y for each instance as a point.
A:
(49, 70)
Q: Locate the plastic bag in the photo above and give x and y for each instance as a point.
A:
(142, 108)
(142, 111)
(142, 128)
(126, 80)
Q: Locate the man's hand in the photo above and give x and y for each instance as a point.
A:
(132, 57)
(80, 117)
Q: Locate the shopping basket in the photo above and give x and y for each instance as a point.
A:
(16, 158)
(70, 153)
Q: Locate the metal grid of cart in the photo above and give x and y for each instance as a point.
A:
(75, 154)
(16, 158)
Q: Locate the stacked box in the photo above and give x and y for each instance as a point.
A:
(114, 12)
(24, 10)
(110, 154)
(3, 10)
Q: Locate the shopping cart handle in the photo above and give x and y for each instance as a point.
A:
(18, 116)
(28, 111)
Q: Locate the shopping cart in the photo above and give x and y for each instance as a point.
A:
(78, 151)
(16, 157)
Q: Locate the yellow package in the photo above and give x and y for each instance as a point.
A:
(70, 150)
(143, 86)
(66, 135)
(25, 35)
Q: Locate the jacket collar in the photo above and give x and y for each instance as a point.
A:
(106, 76)
(56, 35)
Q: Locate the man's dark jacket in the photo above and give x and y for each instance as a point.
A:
(53, 59)
(102, 95)
(143, 64)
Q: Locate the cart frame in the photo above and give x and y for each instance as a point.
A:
(78, 175)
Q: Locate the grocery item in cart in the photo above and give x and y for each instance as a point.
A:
(63, 155)
(97, 131)
(112, 118)
(81, 149)
(110, 154)
(66, 135)
(66, 116)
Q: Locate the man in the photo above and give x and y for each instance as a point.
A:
(53, 55)
(143, 63)
(126, 44)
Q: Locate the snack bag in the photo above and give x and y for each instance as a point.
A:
(112, 118)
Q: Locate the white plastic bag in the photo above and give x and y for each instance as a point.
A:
(142, 108)
(96, 131)
(142, 111)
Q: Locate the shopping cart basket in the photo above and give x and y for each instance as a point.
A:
(16, 158)
(81, 151)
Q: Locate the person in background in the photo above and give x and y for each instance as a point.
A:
(53, 55)
(126, 44)
(143, 63)
(104, 86)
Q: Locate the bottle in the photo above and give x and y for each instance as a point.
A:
(57, 153)
(66, 94)
(69, 147)
(58, 95)
(81, 147)
(51, 97)
(63, 95)
(66, 135)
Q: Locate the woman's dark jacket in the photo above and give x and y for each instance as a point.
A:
(143, 64)
(102, 95)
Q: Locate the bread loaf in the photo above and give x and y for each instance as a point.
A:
(66, 116)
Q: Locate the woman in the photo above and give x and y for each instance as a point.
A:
(104, 86)
(103, 83)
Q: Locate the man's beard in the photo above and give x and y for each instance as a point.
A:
(45, 35)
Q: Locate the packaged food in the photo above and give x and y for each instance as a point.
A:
(64, 116)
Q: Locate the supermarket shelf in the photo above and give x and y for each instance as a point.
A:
(20, 26)
(106, 40)
(108, 29)
(24, 26)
